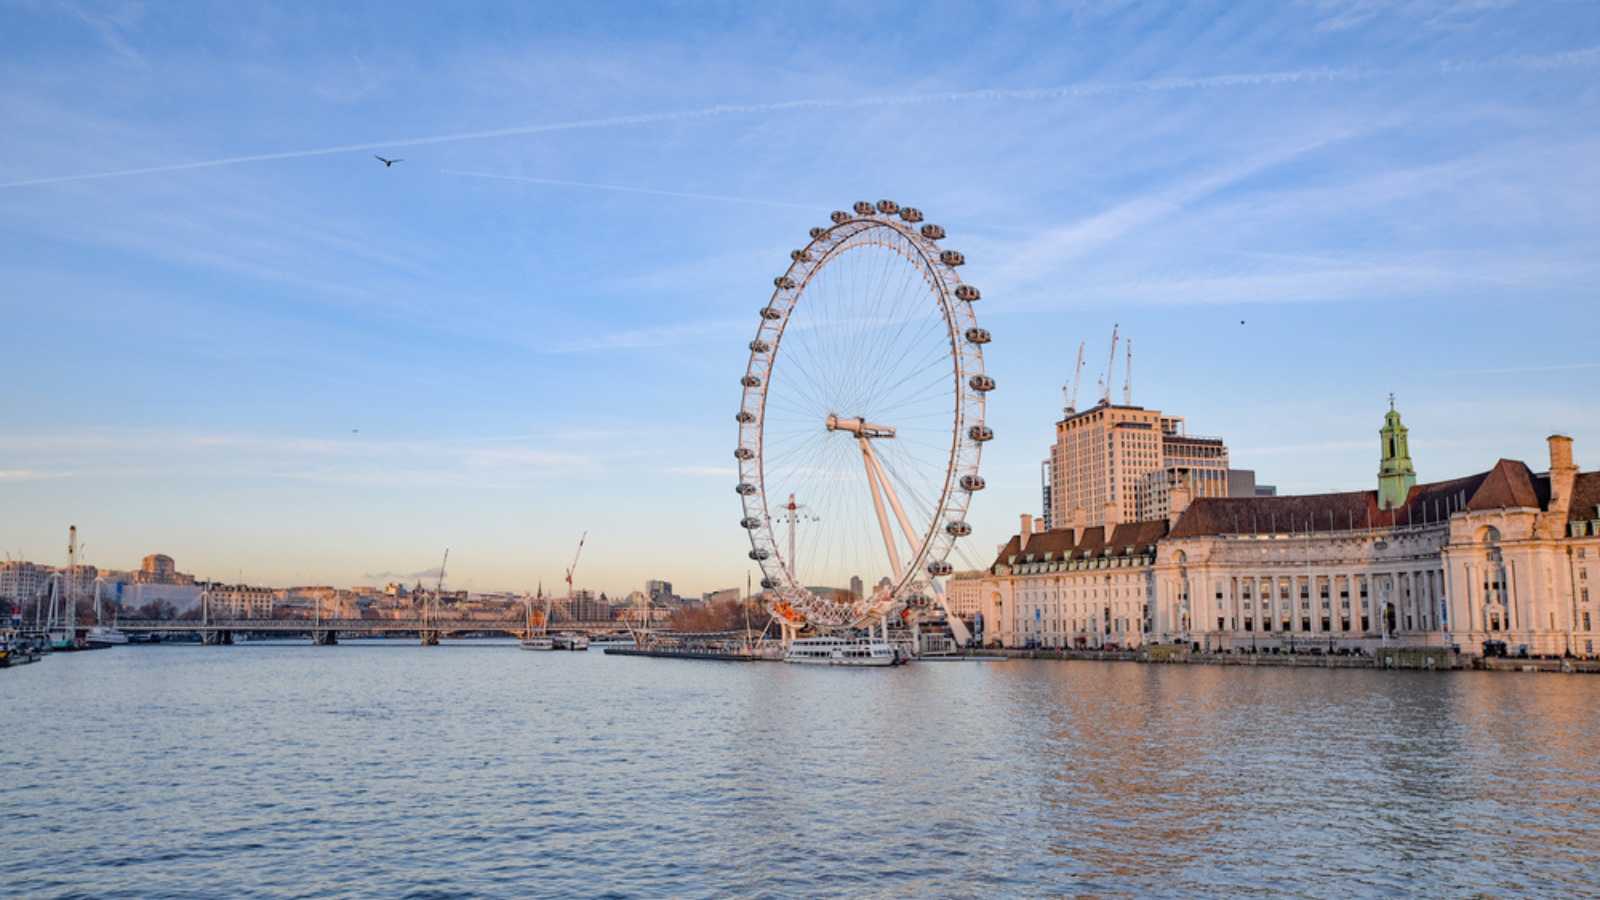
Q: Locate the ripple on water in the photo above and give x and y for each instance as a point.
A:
(392, 770)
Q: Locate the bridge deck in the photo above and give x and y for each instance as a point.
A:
(356, 626)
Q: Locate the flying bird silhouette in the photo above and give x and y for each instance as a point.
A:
(386, 162)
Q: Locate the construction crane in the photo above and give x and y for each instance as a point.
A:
(1111, 367)
(1070, 392)
(1127, 377)
(574, 567)
(438, 587)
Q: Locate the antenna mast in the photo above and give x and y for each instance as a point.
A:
(1111, 366)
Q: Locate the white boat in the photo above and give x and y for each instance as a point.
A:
(834, 651)
(571, 642)
(538, 642)
(104, 636)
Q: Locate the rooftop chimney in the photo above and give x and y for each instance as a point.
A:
(1563, 475)
(1179, 501)
(1025, 531)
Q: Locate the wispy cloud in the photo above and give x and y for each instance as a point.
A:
(655, 336)
(30, 475)
(626, 189)
(1584, 57)
(1517, 370)
(704, 471)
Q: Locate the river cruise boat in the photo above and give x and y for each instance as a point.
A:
(104, 636)
(537, 642)
(571, 642)
(834, 651)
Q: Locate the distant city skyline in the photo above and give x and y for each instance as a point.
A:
(237, 339)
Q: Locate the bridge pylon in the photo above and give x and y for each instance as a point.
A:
(328, 638)
(429, 638)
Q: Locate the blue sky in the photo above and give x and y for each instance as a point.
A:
(537, 321)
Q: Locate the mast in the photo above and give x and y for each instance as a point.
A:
(1070, 393)
(1111, 366)
(1127, 377)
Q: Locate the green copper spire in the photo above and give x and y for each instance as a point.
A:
(1396, 475)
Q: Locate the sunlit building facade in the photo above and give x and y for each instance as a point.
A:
(1506, 556)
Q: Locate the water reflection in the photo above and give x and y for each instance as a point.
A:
(383, 768)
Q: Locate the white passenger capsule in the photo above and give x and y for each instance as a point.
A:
(911, 214)
(751, 381)
(745, 489)
(952, 258)
(760, 553)
(760, 346)
(783, 282)
(744, 453)
(770, 313)
(745, 417)
(863, 208)
(750, 522)
(888, 207)
(981, 383)
(972, 482)
(978, 335)
(933, 232)
(839, 217)
(980, 433)
(958, 529)
(965, 291)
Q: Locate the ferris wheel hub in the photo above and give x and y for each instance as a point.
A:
(859, 427)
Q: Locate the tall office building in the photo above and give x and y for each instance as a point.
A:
(1118, 463)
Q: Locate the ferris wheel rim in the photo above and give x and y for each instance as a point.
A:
(875, 225)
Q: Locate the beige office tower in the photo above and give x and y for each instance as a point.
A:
(1114, 464)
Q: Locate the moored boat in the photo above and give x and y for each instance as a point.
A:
(537, 642)
(571, 642)
(836, 651)
(103, 636)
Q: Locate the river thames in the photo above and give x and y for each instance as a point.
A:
(383, 768)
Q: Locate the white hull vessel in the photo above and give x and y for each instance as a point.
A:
(842, 652)
(106, 637)
(537, 643)
(571, 642)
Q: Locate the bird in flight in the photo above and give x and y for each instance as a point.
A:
(386, 162)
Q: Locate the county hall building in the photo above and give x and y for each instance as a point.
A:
(1505, 555)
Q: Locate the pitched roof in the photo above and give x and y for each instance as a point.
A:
(1509, 484)
(1585, 498)
(1139, 537)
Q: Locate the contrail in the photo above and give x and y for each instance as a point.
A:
(555, 182)
(1584, 57)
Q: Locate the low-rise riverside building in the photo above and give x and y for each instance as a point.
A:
(240, 601)
(1505, 557)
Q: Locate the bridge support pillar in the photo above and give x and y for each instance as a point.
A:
(216, 637)
(325, 638)
(429, 638)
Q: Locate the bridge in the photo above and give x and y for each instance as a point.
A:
(327, 631)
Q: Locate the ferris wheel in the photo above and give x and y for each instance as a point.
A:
(863, 398)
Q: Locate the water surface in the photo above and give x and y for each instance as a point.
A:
(383, 768)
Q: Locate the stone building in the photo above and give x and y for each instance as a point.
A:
(1506, 555)
(159, 568)
(239, 601)
(22, 581)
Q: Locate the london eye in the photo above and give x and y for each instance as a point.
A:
(864, 398)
